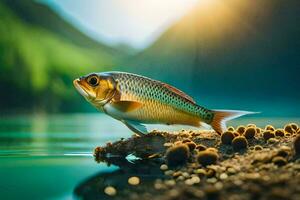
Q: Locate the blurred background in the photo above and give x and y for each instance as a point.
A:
(228, 54)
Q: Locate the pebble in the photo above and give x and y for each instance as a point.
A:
(134, 180)
(174, 193)
(231, 170)
(200, 171)
(212, 180)
(195, 179)
(164, 167)
(159, 186)
(185, 175)
(180, 178)
(111, 191)
(168, 144)
(223, 176)
(273, 141)
(169, 172)
(219, 185)
(170, 182)
(189, 181)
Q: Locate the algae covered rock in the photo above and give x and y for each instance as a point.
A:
(239, 143)
(227, 137)
(207, 157)
(177, 155)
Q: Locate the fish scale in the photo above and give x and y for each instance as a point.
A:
(137, 100)
(161, 102)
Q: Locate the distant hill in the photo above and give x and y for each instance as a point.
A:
(40, 55)
(239, 54)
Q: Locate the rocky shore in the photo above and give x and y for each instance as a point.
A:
(245, 162)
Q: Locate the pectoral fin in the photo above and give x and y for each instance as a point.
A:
(136, 127)
(127, 106)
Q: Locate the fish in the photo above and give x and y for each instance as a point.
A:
(137, 100)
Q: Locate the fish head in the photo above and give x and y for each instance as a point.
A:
(96, 88)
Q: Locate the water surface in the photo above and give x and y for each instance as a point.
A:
(47, 156)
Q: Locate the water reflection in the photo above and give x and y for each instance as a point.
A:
(146, 170)
(50, 155)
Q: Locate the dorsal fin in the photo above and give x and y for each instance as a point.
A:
(179, 92)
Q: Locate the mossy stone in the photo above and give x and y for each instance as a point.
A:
(279, 133)
(177, 155)
(227, 137)
(289, 129)
(269, 128)
(250, 132)
(207, 157)
(239, 143)
(230, 128)
(268, 134)
(240, 129)
(294, 126)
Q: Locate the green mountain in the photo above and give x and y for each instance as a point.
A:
(233, 54)
(40, 55)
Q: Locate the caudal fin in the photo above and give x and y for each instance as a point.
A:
(222, 116)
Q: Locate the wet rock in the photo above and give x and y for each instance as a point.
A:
(269, 128)
(240, 129)
(289, 129)
(279, 133)
(230, 128)
(134, 180)
(250, 132)
(111, 191)
(164, 167)
(177, 155)
(227, 137)
(207, 157)
(268, 134)
(239, 143)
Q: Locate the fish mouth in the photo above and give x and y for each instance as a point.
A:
(80, 88)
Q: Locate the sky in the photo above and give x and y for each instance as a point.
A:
(134, 22)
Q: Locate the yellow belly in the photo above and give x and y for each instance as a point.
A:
(156, 112)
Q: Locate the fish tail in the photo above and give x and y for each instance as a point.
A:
(220, 118)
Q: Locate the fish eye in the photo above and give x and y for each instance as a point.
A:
(93, 80)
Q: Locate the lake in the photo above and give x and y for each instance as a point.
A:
(48, 156)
